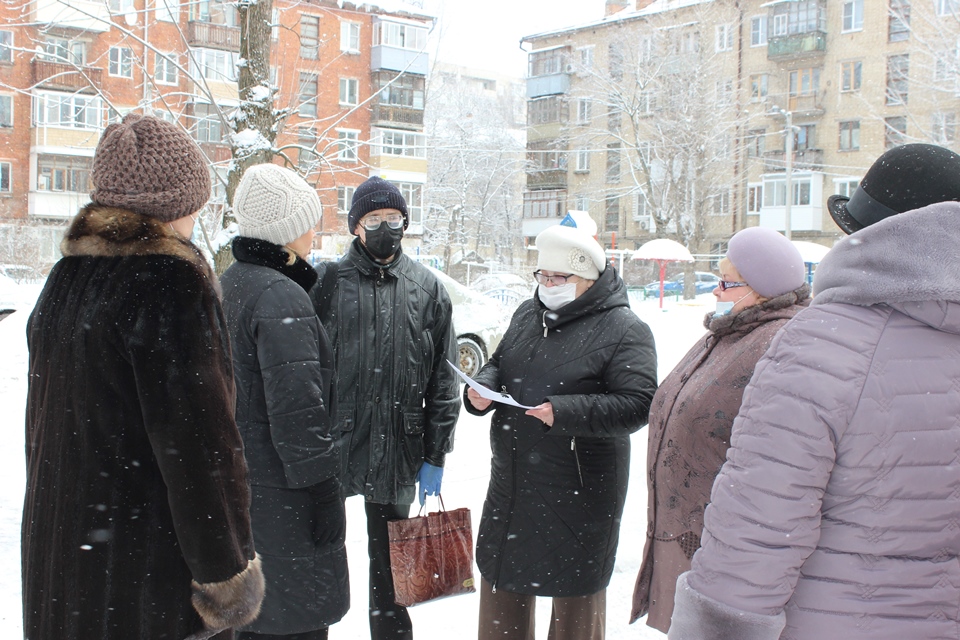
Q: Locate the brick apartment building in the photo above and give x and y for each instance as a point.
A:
(350, 75)
(848, 78)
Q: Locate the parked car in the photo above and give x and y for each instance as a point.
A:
(478, 320)
(706, 283)
(508, 289)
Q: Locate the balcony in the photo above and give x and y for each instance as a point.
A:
(60, 75)
(397, 116)
(549, 85)
(385, 57)
(803, 160)
(797, 46)
(547, 179)
(213, 36)
(809, 104)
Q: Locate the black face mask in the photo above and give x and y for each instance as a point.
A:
(383, 242)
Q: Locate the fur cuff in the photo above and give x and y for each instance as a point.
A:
(698, 617)
(232, 603)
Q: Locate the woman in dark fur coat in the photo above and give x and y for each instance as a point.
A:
(285, 394)
(135, 520)
(763, 288)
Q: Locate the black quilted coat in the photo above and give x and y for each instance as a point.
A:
(551, 519)
(136, 482)
(283, 364)
(398, 399)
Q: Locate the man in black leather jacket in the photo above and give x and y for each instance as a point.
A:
(390, 321)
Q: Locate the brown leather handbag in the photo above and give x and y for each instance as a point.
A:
(431, 556)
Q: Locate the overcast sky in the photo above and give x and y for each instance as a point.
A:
(486, 34)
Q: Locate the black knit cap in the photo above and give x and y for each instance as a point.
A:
(374, 194)
(904, 178)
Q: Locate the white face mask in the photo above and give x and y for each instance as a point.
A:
(723, 308)
(556, 296)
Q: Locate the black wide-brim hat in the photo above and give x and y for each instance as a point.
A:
(904, 178)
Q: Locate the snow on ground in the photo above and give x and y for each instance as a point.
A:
(675, 328)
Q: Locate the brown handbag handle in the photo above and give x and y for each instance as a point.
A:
(424, 505)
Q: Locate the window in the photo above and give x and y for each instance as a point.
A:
(63, 50)
(775, 192)
(800, 16)
(402, 36)
(167, 10)
(945, 68)
(724, 92)
(644, 49)
(546, 110)
(944, 127)
(780, 25)
(644, 212)
(64, 173)
(308, 95)
(350, 37)
(121, 62)
(615, 60)
(898, 71)
(754, 198)
(120, 6)
(899, 19)
(408, 144)
(545, 63)
(756, 142)
(213, 64)
(758, 31)
(614, 118)
(850, 74)
(348, 91)
(344, 199)
(307, 158)
(67, 110)
(548, 203)
(804, 82)
(947, 7)
(583, 161)
(6, 111)
(852, 15)
(583, 110)
(546, 156)
(6, 179)
(412, 193)
(586, 58)
(582, 202)
(850, 135)
(724, 39)
(720, 204)
(309, 37)
(164, 68)
(215, 12)
(613, 162)
(758, 87)
(209, 127)
(6, 46)
(845, 186)
(347, 144)
(805, 137)
(646, 102)
(895, 131)
(402, 91)
(611, 221)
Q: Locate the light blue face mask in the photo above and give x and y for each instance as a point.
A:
(724, 308)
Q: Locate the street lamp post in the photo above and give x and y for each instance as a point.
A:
(788, 116)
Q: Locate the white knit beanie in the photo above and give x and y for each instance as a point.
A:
(568, 248)
(275, 204)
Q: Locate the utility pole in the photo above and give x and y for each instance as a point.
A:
(789, 178)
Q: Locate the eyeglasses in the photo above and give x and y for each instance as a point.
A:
(372, 223)
(726, 284)
(543, 278)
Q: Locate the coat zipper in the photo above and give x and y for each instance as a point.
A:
(576, 457)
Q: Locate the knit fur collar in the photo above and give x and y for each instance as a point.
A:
(112, 232)
(282, 259)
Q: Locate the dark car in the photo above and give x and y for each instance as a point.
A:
(706, 282)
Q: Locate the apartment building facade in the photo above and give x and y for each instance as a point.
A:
(687, 119)
(350, 86)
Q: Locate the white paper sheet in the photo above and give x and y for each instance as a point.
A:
(489, 394)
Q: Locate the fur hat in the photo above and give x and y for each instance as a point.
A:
(375, 194)
(149, 166)
(767, 261)
(568, 248)
(275, 204)
(904, 178)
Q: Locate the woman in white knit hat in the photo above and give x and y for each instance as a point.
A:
(587, 365)
(283, 364)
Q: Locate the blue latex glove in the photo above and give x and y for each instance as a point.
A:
(429, 478)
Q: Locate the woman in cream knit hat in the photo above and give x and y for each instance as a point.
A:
(285, 380)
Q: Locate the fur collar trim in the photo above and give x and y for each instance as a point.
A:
(282, 259)
(112, 232)
(758, 313)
